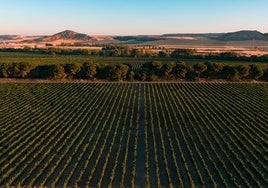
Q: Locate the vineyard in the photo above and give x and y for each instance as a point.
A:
(134, 134)
(44, 59)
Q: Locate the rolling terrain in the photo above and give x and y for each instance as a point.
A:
(247, 42)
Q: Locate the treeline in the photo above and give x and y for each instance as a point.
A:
(173, 71)
(116, 50)
(152, 71)
(87, 70)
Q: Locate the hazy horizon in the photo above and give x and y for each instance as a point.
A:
(129, 17)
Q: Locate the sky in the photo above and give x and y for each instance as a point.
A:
(132, 17)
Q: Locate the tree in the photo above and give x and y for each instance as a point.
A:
(149, 53)
(4, 70)
(265, 75)
(95, 53)
(226, 71)
(156, 68)
(199, 68)
(42, 71)
(153, 77)
(90, 70)
(256, 72)
(136, 53)
(18, 70)
(72, 69)
(103, 71)
(180, 70)
(13, 70)
(183, 53)
(243, 71)
(213, 69)
(234, 74)
(119, 72)
(162, 54)
(24, 68)
(58, 72)
(228, 56)
(167, 70)
(143, 76)
(131, 76)
(115, 50)
(230, 73)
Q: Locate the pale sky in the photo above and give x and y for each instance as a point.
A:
(131, 17)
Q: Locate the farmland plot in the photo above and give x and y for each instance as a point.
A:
(134, 134)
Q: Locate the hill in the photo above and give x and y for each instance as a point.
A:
(8, 37)
(240, 41)
(68, 35)
(137, 39)
(206, 35)
(243, 35)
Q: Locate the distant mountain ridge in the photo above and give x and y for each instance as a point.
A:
(7, 37)
(188, 39)
(243, 35)
(235, 36)
(208, 35)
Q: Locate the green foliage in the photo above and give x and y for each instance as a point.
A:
(4, 70)
(199, 68)
(58, 72)
(156, 65)
(42, 71)
(136, 53)
(228, 56)
(72, 69)
(131, 76)
(213, 69)
(139, 71)
(167, 70)
(183, 53)
(243, 70)
(143, 76)
(119, 72)
(90, 70)
(115, 50)
(180, 70)
(153, 77)
(60, 55)
(15, 70)
(265, 75)
(162, 54)
(103, 71)
(234, 74)
(256, 72)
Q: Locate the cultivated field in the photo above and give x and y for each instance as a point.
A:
(134, 134)
(45, 59)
